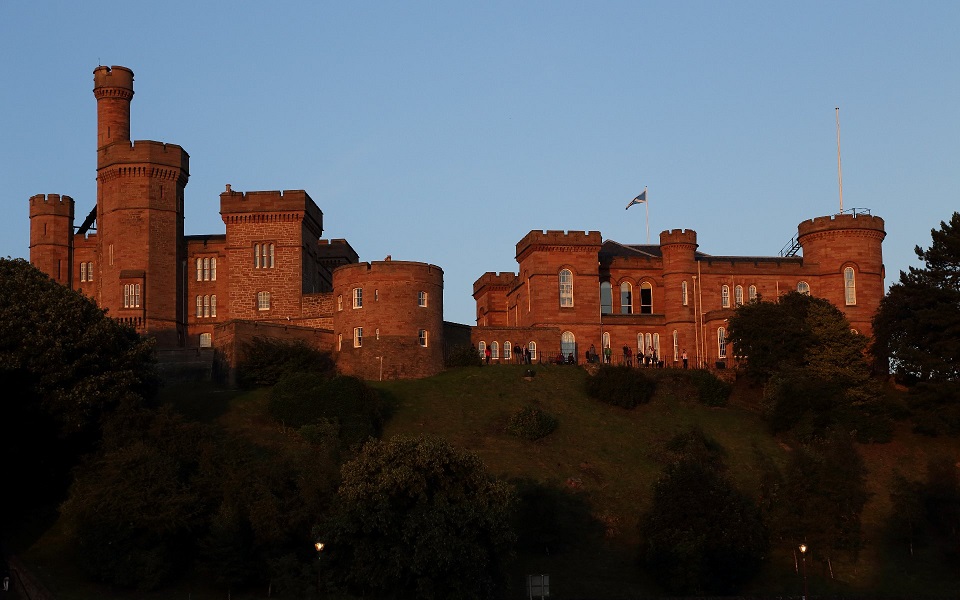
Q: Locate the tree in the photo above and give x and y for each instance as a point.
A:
(917, 327)
(701, 535)
(420, 519)
(66, 369)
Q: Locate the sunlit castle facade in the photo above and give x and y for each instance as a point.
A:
(269, 275)
(573, 290)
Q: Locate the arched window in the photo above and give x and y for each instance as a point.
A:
(752, 293)
(199, 269)
(683, 292)
(507, 350)
(606, 298)
(532, 346)
(725, 296)
(568, 344)
(650, 348)
(482, 347)
(206, 269)
(646, 298)
(213, 305)
(495, 350)
(738, 295)
(721, 343)
(849, 286)
(199, 306)
(656, 345)
(206, 340)
(641, 346)
(339, 341)
(213, 269)
(626, 299)
(606, 339)
(803, 287)
(566, 288)
(206, 306)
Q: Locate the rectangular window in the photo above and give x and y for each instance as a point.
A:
(131, 295)
(263, 256)
(358, 297)
(422, 299)
(357, 337)
(340, 302)
(263, 300)
(422, 337)
(206, 340)
(683, 292)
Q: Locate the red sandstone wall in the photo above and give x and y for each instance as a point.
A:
(391, 318)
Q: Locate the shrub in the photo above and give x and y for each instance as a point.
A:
(531, 423)
(463, 355)
(711, 390)
(267, 360)
(620, 386)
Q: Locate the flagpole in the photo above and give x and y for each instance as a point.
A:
(839, 170)
(647, 206)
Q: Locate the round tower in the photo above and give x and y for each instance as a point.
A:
(140, 217)
(678, 248)
(844, 253)
(113, 88)
(388, 319)
(51, 236)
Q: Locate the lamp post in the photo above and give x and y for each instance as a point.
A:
(803, 555)
(319, 545)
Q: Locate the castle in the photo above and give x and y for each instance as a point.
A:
(574, 291)
(270, 274)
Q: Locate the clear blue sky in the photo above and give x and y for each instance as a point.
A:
(443, 132)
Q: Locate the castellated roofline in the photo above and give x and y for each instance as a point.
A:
(490, 278)
(559, 238)
(143, 151)
(840, 223)
(678, 236)
(392, 267)
(115, 76)
(51, 204)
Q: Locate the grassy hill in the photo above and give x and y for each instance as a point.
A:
(602, 461)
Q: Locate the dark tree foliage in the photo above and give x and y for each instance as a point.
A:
(463, 355)
(813, 368)
(711, 390)
(531, 423)
(818, 500)
(347, 404)
(66, 369)
(620, 386)
(552, 520)
(701, 535)
(418, 518)
(267, 360)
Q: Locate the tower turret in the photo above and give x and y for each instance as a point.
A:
(113, 88)
(51, 236)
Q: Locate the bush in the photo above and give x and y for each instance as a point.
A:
(620, 386)
(711, 390)
(463, 355)
(267, 360)
(305, 399)
(531, 423)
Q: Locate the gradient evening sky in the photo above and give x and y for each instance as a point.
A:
(443, 132)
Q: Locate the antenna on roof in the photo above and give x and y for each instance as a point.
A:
(839, 169)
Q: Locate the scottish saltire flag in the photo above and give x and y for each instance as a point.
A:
(639, 199)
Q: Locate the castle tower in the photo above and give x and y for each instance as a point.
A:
(678, 248)
(845, 252)
(139, 217)
(51, 236)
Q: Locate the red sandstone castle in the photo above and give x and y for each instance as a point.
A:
(269, 275)
(573, 290)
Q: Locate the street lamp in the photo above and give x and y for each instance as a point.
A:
(803, 555)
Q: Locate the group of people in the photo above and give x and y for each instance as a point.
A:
(521, 354)
(649, 359)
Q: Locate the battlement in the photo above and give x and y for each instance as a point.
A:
(391, 268)
(841, 222)
(113, 77)
(273, 202)
(51, 204)
(144, 152)
(559, 238)
(337, 249)
(494, 279)
(678, 236)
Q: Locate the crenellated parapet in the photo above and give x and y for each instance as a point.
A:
(51, 204)
(844, 222)
(143, 158)
(678, 236)
(571, 241)
(270, 206)
(491, 280)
